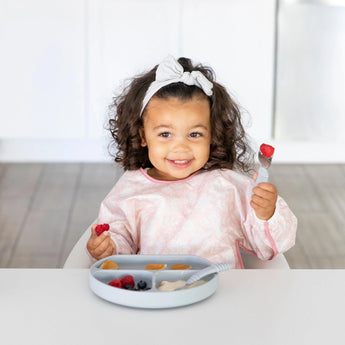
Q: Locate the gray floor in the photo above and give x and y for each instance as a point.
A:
(44, 208)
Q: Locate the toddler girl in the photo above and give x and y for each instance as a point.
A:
(180, 140)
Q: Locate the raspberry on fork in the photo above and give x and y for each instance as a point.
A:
(267, 150)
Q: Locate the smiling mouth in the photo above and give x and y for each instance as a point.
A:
(180, 163)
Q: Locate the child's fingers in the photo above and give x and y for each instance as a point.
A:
(266, 191)
(261, 202)
(93, 231)
(261, 212)
(255, 176)
(100, 246)
(109, 251)
(267, 186)
(264, 199)
(257, 208)
(263, 193)
(103, 243)
(95, 241)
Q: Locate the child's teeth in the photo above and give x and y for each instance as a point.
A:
(180, 162)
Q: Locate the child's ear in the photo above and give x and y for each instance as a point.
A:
(142, 136)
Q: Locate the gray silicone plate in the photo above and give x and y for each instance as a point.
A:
(151, 298)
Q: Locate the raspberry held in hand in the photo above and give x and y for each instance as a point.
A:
(101, 228)
(267, 150)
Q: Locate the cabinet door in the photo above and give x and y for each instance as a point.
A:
(42, 67)
(311, 72)
(126, 38)
(236, 38)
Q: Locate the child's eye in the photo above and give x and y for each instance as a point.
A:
(195, 134)
(165, 134)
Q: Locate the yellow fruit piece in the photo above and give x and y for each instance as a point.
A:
(109, 265)
(155, 267)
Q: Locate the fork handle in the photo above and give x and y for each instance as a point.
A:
(215, 268)
(262, 176)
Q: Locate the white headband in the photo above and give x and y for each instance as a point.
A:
(170, 71)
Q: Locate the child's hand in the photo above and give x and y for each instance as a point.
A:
(100, 246)
(264, 200)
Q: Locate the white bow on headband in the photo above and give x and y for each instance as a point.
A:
(169, 71)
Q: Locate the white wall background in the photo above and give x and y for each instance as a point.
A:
(61, 62)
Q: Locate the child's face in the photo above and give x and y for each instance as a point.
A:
(178, 136)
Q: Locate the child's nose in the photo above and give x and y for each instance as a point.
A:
(180, 145)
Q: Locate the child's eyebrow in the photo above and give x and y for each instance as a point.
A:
(200, 126)
(161, 126)
(170, 126)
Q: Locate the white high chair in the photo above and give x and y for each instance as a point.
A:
(79, 257)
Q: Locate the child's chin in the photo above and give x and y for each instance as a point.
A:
(181, 175)
(172, 173)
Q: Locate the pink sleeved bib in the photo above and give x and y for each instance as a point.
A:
(207, 214)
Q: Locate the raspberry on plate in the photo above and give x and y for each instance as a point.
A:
(116, 283)
(128, 280)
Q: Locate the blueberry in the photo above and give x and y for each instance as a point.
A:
(142, 285)
(129, 287)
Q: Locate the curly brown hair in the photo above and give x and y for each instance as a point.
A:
(229, 147)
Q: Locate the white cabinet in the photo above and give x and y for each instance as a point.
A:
(125, 38)
(42, 68)
(61, 61)
(236, 38)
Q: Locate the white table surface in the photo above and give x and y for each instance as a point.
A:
(54, 306)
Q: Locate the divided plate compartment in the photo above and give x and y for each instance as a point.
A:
(151, 298)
